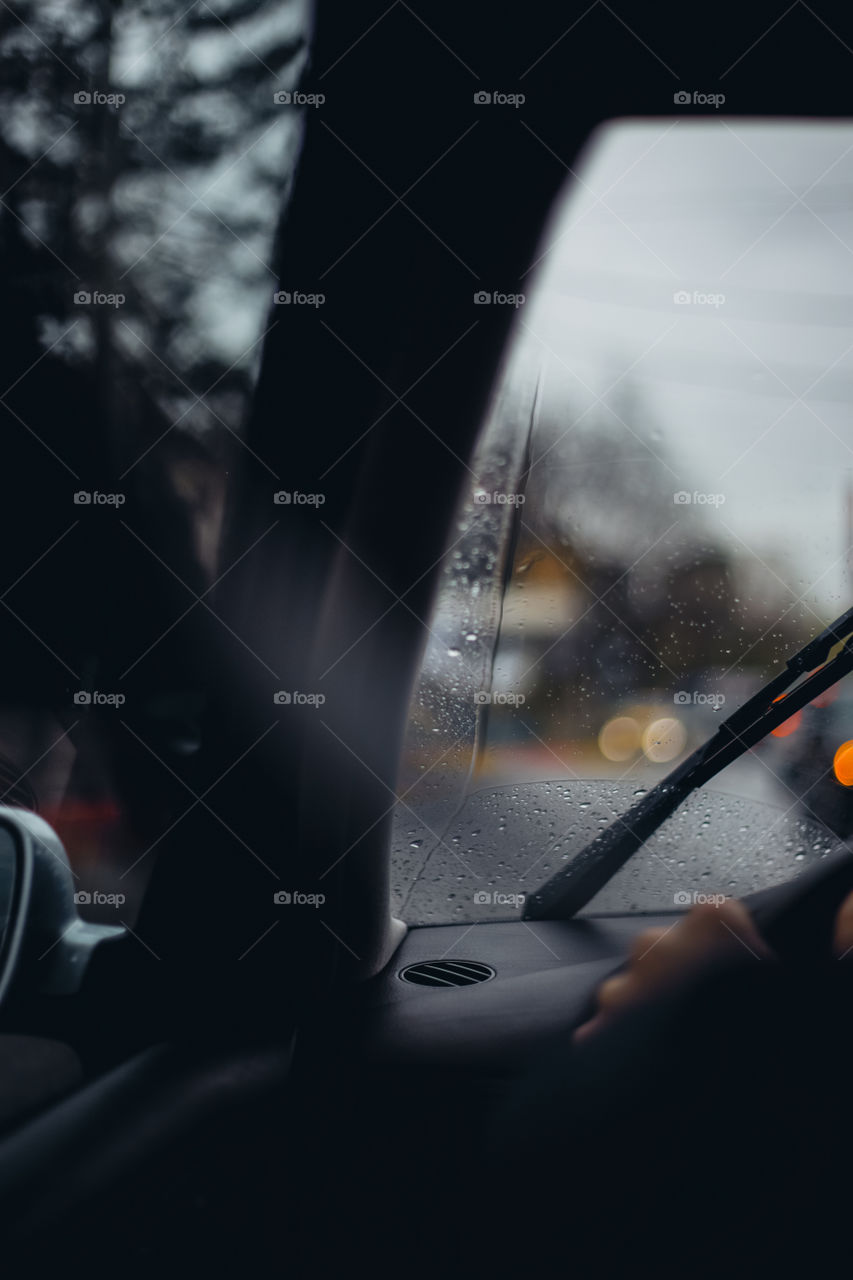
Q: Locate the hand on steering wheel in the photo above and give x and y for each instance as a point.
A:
(797, 919)
(661, 956)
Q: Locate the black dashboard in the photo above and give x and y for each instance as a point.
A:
(543, 977)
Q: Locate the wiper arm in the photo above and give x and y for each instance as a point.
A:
(806, 675)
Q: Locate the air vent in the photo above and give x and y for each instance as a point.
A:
(447, 973)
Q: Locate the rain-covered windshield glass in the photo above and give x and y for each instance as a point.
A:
(682, 370)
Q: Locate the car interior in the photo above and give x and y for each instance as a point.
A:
(271, 961)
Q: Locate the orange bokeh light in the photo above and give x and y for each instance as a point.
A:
(843, 764)
(787, 726)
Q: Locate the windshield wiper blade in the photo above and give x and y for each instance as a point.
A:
(806, 675)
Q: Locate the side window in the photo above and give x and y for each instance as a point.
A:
(146, 155)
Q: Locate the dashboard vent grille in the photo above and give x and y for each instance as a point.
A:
(447, 973)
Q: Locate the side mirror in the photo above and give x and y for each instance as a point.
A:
(44, 945)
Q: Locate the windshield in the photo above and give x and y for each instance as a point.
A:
(682, 365)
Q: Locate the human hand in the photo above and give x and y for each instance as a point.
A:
(661, 956)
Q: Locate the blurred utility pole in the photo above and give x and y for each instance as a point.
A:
(848, 533)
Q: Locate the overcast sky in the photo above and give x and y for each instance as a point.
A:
(761, 214)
